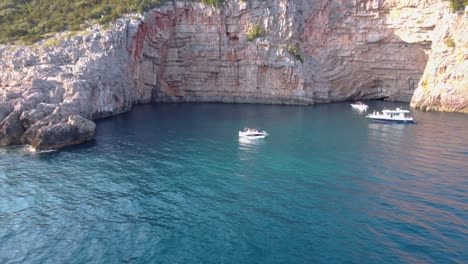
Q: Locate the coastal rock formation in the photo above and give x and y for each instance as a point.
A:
(52, 90)
(280, 52)
(201, 54)
(444, 85)
(343, 51)
(74, 130)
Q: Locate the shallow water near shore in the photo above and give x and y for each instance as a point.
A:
(172, 183)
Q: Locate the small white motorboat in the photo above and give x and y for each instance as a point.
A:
(252, 133)
(392, 116)
(360, 106)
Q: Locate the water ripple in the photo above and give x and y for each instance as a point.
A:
(326, 186)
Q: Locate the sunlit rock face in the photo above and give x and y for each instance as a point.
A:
(201, 54)
(350, 50)
(304, 52)
(444, 84)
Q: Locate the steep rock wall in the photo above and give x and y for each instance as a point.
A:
(444, 85)
(351, 50)
(200, 54)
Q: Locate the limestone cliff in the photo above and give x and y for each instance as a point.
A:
(444, 84)
(51, 91)
(350, 49)
(305, 52)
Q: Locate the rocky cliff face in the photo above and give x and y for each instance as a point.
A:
(350, 49)
(306, 52)
(51, 91)
(444, 84)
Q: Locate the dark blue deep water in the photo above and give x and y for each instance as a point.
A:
(172, 183)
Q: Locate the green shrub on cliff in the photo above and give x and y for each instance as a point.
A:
(458, 4)
(255, 31)
(31, 20)
(294, 50)
(216, 3)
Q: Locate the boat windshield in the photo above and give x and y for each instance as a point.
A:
(247, 129)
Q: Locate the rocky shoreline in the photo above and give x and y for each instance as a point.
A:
(51, 91)
(308, 52)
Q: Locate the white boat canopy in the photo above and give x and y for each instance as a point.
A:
(398, 110)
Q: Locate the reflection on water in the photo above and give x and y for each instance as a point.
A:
(360, 110)
(387, 133)
(248, 143)
(250, 147)
(385, 127)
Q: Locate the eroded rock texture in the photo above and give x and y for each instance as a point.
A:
(444, 85)
(351, 50)
(201, 54)
(306, 52)
(51, 91)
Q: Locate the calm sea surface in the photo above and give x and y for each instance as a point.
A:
(172, 183)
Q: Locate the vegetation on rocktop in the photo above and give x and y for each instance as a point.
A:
(458, 4)
(28, 21)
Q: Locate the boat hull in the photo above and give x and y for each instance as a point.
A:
(253, 137)
(396, 121)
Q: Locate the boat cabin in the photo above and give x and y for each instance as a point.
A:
(398, 113)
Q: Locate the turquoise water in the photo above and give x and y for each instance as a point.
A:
(171, 183)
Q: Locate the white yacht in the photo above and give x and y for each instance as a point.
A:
(252, 133)
(360, 106)
(392, 116)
